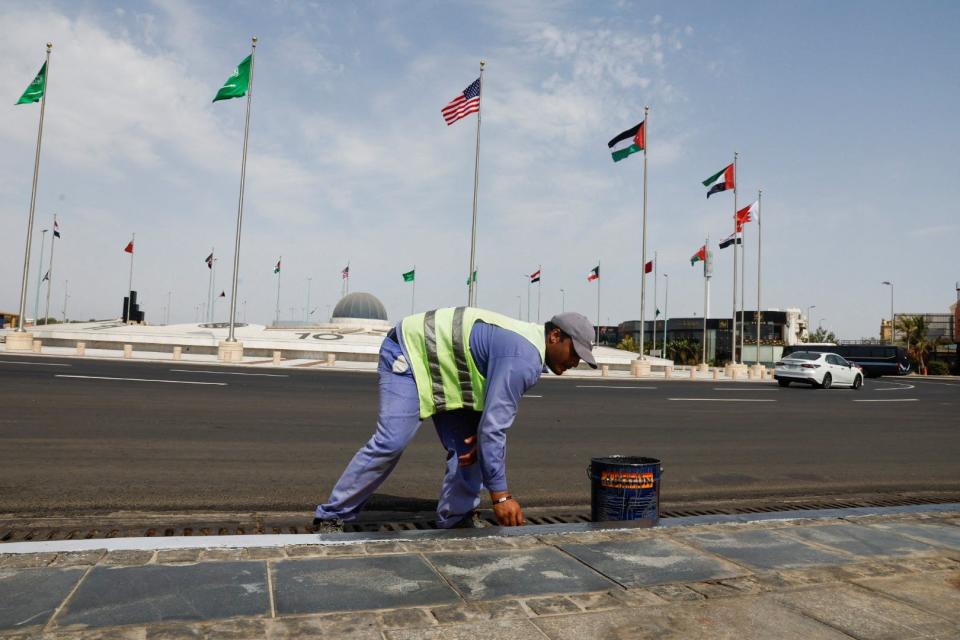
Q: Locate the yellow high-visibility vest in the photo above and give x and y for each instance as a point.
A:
(438, 343)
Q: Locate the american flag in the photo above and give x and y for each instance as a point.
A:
(464, 104)
(346, 272)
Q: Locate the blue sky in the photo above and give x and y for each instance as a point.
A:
(842, 112)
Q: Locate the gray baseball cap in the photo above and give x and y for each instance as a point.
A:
(580, 331)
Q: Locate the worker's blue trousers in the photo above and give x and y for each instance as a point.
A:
(397, 423)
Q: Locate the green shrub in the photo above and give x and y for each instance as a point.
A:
(938, 368)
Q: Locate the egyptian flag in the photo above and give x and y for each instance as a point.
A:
(535, 276)
(56, 229)
(594, 274)
(743, 216)
(209, 261)
(129, 247)
(699, 256)
(628, 142)
(720, 181)
(733, 238)
(648, 268)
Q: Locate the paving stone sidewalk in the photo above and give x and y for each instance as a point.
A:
(890, 576)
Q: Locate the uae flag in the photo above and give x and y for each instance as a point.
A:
(720, 181)
(628, 142)
(699, 256)
(733, 238)
(535, 276)
(743, 216)
(648, 268)
(594, 274)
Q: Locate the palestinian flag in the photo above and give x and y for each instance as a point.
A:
(743, 216)
(733, 238)
(699, 256)
(720, 181)
(627, 143)
(594, 274)
(535, 276)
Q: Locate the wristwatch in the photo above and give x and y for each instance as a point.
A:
(503, 499)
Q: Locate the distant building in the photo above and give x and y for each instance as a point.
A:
(778, 328)
(9, 319)
(940, 326)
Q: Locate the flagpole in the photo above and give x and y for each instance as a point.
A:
(279, 271)
(66, 287)
(472, 291)
(133, 246)
(210, 278)
(733, 342)
(759, 246)
(36, 300)
(211, 316)
(528, 298)
(33, 196)
(706, 296)
(539, 290)
(743, 288)
(643, 251)
(46, 312)
(413, 291)
(598, 305)
(666, 309)
(655, 276)
(243, 176)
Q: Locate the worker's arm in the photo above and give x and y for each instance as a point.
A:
(508, 378)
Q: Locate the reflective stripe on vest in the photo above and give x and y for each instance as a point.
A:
(438, 343)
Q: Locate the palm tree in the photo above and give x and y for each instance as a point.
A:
(914, 331)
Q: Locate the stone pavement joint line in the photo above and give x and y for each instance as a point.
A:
(886, 576)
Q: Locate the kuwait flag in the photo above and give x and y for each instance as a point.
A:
(720, 181)
(627, 143)
(699, 256)
(594, 274)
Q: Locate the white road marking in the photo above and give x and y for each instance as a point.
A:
(233, 373)
(609, 386)
(36, 364)
(218, 384)
(900, 387)
(532, 396)
(743, 389)
(942, 384)
(891, 400)
(720, 400)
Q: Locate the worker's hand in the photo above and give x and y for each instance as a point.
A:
(470, 456)
(508, 513)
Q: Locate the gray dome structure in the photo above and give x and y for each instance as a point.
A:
(359, 306)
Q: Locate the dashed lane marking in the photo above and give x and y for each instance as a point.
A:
(609, 386)
(901, 386)
(216, 384)
(891, 400)
(532, 396)
(36, 364)
(232, 373)
(720, 400)
(743, 389)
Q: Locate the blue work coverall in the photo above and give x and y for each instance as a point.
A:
(511, 366)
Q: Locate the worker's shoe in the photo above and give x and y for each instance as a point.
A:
(472, 521)
(334, 525)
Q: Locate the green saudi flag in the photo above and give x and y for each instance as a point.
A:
(409, 276)
(35, 91)
(236, 85)
(474, 277)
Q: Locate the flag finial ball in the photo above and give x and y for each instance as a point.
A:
(483, 63)
(255, 39)
(49, 45)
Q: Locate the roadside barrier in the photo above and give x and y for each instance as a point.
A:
(81, 348)
(128, 351)
(276, 357)
(177, 353)
(37, 346)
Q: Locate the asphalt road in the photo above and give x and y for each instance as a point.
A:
(154, 437)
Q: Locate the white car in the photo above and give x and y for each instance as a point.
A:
(823, 370)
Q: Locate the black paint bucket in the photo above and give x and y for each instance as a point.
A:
(624, 488)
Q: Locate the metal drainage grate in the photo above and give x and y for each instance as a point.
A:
(11, 531)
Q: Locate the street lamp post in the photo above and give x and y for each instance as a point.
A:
(305, 311)
(563, 299)
(810, 308)
(890, 284)
(666, 312)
